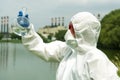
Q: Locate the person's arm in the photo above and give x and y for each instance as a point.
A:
(101, 68)
(53, 51)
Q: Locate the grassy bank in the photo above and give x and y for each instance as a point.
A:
(13, 41)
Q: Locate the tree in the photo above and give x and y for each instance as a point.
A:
(50, 36)
(44, 39)
(110, 35)
(60, 35)
(1, 36)
(14, 36)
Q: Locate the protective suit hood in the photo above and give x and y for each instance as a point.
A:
(87, 29)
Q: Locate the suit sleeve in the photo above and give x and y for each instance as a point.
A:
(53, 51)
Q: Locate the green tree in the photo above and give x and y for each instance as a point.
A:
(14, 36)
(60, 35)
(50, 36)
(1, 36)
(110, 36)
(44, 39)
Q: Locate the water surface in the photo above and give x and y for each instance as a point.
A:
(16, 63)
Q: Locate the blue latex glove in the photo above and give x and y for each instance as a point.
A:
(23, 20)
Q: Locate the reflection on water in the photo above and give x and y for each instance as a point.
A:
(3, 55)
(16, 63)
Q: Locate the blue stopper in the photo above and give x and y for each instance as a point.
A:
(20, 13)
(26, 15)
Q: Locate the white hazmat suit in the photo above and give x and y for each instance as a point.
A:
(78, 57)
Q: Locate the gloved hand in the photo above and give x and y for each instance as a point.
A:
(23, 20)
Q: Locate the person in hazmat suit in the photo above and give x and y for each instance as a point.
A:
(78, 57)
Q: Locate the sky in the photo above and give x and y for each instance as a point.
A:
(41, 11)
